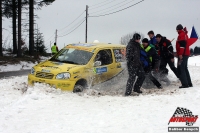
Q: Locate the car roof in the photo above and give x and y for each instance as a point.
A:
(91, 46)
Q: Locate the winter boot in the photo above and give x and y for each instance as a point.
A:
(190, 85)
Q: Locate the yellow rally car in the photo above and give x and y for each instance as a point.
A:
(80, 65)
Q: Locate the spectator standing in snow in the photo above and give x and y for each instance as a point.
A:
(152, 37)
(183, 52)
(135, 69)
(54, 49)
(166, 54)
(154, 61)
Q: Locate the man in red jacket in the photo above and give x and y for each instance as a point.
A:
(183, 52)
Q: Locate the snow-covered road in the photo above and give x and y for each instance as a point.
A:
(42, 109)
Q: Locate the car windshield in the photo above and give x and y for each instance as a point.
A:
(72, 56)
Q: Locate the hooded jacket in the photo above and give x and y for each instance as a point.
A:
(181, 44)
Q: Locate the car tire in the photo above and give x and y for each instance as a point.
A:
(78, 88)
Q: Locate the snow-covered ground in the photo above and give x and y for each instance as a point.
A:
(194, 61)
(42, 109)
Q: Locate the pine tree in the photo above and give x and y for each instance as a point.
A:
(19, 52)
(196, 50)
(31, 27)
(198, 53)
(191, 51)
(39, 46)
(1, 52)
(10, 10)
(40, 3)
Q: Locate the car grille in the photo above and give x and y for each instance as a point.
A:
(44, 75)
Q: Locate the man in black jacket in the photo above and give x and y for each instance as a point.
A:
(135, 69)
(166, 54)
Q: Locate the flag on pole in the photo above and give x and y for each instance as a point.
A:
(193, 37)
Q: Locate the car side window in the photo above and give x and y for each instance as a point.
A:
(105, 56)
(120, 55)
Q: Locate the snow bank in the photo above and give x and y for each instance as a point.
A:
(23, 65)
(15, 67)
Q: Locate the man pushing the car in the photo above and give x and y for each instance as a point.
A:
(135, 69)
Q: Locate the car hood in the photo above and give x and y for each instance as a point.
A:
(55, 67)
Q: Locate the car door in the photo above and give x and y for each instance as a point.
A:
(106, 70)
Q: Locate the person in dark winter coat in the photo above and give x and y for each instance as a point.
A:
(135, 69)
(183, 52)
(151, 51)
(166, 54)
(152, 38)
(154, 59)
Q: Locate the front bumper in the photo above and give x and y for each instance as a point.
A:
(65, 85)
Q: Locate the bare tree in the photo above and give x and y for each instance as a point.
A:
(126, 38)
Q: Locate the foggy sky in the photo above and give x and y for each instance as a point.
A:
(161, 16)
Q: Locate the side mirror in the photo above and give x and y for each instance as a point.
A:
(97, 63)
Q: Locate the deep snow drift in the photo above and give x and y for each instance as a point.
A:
(42, 109)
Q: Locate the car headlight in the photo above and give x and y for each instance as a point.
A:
(32, 70)
(63, 76)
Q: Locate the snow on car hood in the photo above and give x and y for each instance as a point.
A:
(52, 66)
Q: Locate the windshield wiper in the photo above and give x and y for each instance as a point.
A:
(71, 62)
(54, 60)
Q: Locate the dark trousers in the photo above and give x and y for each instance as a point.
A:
(137, 76)
(153, 79)
(183, 71)
(164, 63)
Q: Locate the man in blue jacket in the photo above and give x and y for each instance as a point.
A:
(152, 38)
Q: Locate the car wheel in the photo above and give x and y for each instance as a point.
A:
(78, 88)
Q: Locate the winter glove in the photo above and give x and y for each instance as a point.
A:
(172, 59)
(180, 62)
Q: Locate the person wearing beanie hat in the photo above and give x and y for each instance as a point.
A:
(158, 36)
(152, 37)
(154, 61)
(145, 40)
(134, 66)
(183, 52)
(166, 53)
(136, 36)
(179, 27)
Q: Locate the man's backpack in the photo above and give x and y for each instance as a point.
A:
(145, 60)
